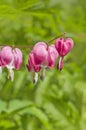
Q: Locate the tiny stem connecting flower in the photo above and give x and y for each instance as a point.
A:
(57, 37)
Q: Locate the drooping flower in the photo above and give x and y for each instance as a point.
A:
(40, 51)
(40, 58)
(37, 59)
(6, 56)
(11, 59)
(63, 47)
(33, 67)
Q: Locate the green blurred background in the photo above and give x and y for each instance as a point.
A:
(58, 102)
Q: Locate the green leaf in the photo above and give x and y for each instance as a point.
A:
(18, 105)
(6, 124)
(3, 106)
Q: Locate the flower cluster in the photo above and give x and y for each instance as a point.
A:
(11, 59)
(41, 57)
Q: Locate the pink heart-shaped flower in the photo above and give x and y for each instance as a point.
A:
(64, 46)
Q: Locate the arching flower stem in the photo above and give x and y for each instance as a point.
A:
(62, 35)
(30, 46)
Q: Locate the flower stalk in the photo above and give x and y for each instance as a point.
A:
(30, 46)
(41, 57)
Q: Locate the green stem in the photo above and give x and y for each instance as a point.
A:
(30, 46)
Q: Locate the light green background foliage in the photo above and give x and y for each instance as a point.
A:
(58, 102)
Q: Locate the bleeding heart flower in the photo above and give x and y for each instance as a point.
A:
(33, 67)
(37, 59)
(6, 56)
(10, 58)
(42, 57)
(40, 52)
(64, 46)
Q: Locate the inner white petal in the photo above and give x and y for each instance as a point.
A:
(34, 77)
(11, 74)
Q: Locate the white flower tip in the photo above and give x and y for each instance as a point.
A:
(10, 74)
(42, 75)
(35, 77)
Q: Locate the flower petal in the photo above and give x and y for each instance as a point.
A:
(17, 58)
(40, 53)
(52, 56)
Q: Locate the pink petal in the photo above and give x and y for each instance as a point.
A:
(32, 66)
(52, 55)
(6, 55)
(40, 53)
(17, 58)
